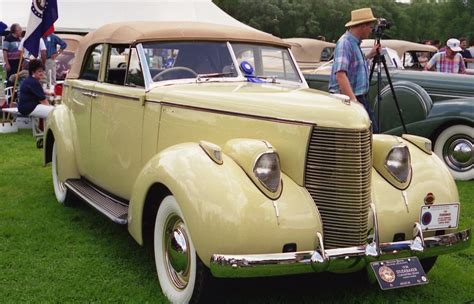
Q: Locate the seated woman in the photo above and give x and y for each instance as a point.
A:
(32, 97)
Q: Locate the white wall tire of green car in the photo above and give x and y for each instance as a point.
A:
(461, 131)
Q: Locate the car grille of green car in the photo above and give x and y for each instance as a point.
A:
(337, 176)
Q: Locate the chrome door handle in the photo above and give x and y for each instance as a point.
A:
(89, 94)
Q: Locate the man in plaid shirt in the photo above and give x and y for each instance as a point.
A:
(350, 70)
(449, 61)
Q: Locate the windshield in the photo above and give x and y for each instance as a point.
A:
(391, 58)
(180, 60)
(267, 61)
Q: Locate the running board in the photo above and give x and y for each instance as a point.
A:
(112, 208)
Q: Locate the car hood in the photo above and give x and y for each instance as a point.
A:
(273, 101)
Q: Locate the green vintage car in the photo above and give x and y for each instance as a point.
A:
(438, 106)
(237, 169)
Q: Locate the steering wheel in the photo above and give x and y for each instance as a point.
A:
(159, 76)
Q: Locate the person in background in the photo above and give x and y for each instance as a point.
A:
(437, 44)
(3, 100)
(32, 96)
(52, 42)
(466, 54)
(27, 56)
(11, 51)
(471, 49)
(450, 61)
(442, 49)
(350, 70)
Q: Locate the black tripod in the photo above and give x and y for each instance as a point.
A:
(378, 60)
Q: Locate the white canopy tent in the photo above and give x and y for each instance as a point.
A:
(86, 15)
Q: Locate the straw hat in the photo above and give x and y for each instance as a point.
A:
(359, 16)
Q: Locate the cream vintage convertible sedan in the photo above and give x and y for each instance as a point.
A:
(232, 167)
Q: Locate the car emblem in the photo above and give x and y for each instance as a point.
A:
(387, 274)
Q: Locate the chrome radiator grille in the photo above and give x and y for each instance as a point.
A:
(337, 176)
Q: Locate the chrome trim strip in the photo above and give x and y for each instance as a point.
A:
(145, 68)
(434, 92)
(97, 207)
(275, 264)
(215, 111)
(373, 249)
(117, 95)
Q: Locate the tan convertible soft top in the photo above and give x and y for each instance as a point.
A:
(308, 51)
(401, 46)
(142, 31)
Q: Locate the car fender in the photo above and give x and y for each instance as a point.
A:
(442, 115)
(398, 210)
(222, 207)
(63, 138)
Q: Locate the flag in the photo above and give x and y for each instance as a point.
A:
(3, 27)
(42, 17)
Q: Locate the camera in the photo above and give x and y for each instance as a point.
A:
(380, 27)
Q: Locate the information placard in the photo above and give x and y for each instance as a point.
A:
(399, 273)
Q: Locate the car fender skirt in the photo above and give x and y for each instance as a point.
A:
(223, 209)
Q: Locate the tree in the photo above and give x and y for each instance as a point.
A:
(419, 20)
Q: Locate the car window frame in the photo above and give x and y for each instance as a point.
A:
(101, 62)
(127, 84)
(110, 46)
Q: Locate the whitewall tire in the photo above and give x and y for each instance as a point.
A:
(454, 146)
(180, 273)
(60, 190)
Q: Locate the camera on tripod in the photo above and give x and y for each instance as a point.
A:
(379, 60)
(380, 27)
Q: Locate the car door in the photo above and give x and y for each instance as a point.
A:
(116, 128)
(80, 95)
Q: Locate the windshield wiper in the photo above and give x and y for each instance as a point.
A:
(212, 75)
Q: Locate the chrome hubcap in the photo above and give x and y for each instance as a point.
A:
(176, 252)
(458, 153)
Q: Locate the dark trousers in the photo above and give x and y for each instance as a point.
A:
(13, 69)
(363, 100)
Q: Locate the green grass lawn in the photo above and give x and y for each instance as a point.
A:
(49, 253)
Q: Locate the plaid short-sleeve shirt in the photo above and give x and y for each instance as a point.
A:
(349, 57)
(445, 65)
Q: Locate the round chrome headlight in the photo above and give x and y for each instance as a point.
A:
(398, 164)
(267, 171)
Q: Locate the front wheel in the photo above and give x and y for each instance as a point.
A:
(454, 147)
(181, 274)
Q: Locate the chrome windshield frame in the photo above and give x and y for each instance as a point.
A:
(145, 68)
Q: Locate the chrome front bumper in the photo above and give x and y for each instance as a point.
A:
(261, 265)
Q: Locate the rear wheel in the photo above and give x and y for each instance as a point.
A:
(181, 274)
(454, 147)
(62, 193)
